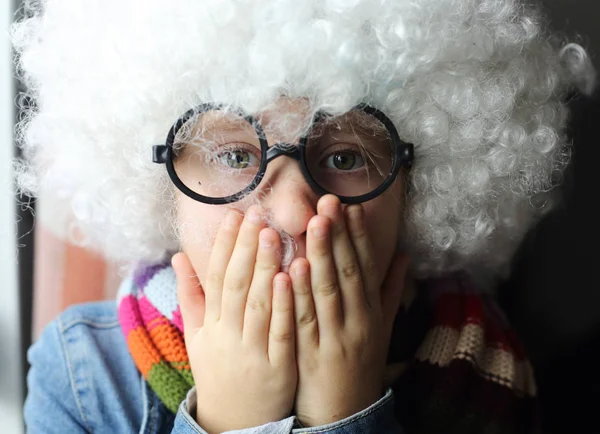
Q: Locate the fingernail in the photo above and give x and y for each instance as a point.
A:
(300, 270)
(254, 216)
(333, 209)
(329, 206)
(319, 232)
(281, 285)
(264, 242)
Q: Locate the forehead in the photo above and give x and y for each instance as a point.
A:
(297, 114)
(285, 108)
(286, 120)
(283, 114)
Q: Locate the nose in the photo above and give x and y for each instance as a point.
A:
(289, 198)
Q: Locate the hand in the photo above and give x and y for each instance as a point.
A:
(239, 328)
(343, 316)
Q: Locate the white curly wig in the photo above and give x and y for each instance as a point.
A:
(478, 87)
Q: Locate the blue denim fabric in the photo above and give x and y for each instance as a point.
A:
(82, 379)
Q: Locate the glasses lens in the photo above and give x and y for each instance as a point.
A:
(350, 155)
(217, 153)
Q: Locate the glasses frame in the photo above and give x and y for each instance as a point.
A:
(402, 158)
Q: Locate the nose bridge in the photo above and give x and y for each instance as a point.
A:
(291, 150)
(289, 196)
(286, 169)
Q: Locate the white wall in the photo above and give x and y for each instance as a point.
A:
(10, 360)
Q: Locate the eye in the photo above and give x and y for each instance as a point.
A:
(238, 158)
(344, 160)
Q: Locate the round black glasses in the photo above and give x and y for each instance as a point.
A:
(218, 156)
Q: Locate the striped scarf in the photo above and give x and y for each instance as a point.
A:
(459, 367)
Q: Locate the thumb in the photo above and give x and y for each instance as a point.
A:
(189, 293)
(393, 288)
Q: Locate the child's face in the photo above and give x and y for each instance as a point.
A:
(288, 202)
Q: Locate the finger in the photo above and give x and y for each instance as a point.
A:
(281, 332)
(347, 268)
(189, 294)
(364, 252)
(307, 329)
(393, 287)
(325, 289)
(241, 269)
(217, 264)
(258, 304)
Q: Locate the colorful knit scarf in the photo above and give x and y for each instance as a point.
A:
(462, 367)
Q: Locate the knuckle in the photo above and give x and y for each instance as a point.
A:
(214, 280)
(281, 308)
(362, 337)
(365, 334)
(336, 351)
(350, 271)
(265, 266)
(321, 251)
(236, 285)
(256, 304)
(301, 290)
(281, 336)
(307, 318)
(359, 232)
(307, 363)
(327, 289)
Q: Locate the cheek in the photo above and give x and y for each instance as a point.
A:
(383, 219)
(384, 232)
(197, 226)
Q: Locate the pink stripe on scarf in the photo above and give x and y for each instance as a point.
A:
(129, 316)
(151, 316)
(177, 319)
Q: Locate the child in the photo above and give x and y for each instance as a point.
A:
(316, 199)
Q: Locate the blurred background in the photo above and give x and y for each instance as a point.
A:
(552, 298)
(11, 342)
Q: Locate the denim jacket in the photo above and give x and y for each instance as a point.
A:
(82, 379)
